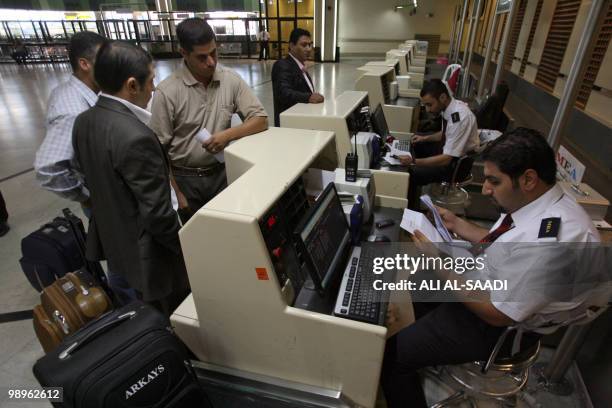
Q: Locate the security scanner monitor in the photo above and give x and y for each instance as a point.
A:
(382, 69)
(402, 57)
(421, 47)
(341, 115)
(387, 63)
(416, 61)
(247, 312)
(406, 65)
(408, 86)
(402, 112)
(417, 64)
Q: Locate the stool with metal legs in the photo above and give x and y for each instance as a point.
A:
(498, 378)
(551, 376)
(452, 194)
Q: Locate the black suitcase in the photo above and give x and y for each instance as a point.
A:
(54, 250)
(128, 358)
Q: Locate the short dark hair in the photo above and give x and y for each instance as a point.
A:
(83, 45)
(194, 31)
(435, 88)
(520, 149)
(117, 61)
(295, 35)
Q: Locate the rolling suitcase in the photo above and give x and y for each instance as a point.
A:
(66, 305)
(49, 253)
(55, 249)
(126, 359)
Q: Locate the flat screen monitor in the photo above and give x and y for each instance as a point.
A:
(379, 123)
(323, 236)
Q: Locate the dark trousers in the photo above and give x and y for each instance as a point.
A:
(3, 212)
(443, 334)
(122, 290)
(423, 175)
(200, 189)
(168, 305)
(263, 47)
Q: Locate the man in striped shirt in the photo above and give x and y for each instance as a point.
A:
(55, 167)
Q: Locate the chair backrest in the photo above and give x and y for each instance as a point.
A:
(449, 71)
(490, 114)
(451, 77)
(463, 169)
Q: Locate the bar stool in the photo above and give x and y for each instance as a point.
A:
(452, 194)
(500, 379)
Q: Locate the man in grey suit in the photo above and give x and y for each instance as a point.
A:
(133, 224)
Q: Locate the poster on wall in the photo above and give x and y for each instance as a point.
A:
(570, 168)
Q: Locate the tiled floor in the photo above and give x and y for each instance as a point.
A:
(23, 94)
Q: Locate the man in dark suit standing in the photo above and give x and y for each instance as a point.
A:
(291, 83)
(133, 224)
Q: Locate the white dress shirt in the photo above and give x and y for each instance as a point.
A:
(461, 129)
(142, 114)
(541, 269)
(303, 68)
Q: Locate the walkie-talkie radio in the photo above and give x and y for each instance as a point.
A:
(350, 165)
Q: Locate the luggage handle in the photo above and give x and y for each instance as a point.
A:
(77, 344)
(93, 267)
(61, 322)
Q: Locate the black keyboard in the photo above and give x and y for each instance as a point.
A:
(360, 301)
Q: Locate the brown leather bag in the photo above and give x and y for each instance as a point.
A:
(66, 305)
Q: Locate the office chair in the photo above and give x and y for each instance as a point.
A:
(490, 115)
(451, 77)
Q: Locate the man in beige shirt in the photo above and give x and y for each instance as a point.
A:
(199, 95)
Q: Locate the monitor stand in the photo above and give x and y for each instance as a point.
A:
(311, 299)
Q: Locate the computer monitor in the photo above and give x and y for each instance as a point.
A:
(379, 123)
(322, 237)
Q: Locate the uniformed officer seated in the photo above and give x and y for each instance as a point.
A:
(519, 169)
(436, 154)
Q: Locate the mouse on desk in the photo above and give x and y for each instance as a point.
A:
(378, 238)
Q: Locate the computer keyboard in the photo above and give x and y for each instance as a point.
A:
(357, 298)
(403, 145)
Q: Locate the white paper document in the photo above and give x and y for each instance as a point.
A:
(446, 236)
(414, 220)
(391, 160)
(203, 135)
(393, 151)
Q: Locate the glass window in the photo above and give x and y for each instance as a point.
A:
(56, 32)
(305, 8)
(239, 27)
(271, 4)
(306, 24)
(27, 31)
(286, 8)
